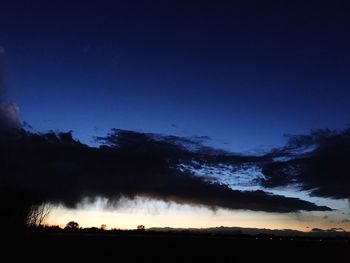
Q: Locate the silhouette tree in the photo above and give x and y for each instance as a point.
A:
(103, 227)
(141, 228)
(37, 214)
(72, 225)
(16, 208)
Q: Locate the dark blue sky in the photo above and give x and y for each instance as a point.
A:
(243, 73)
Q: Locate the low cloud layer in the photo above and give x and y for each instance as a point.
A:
(55, 167)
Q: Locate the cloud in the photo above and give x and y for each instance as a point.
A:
(9, 116)
(55, 167)
(2, 76)
(318, 162)
(9, 111)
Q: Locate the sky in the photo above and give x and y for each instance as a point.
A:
(243, 73)
(160, 214)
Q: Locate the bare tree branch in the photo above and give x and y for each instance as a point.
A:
(37, 214)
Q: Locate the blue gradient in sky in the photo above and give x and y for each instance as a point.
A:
(243, 74)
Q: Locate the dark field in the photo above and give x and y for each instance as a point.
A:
(127, 246)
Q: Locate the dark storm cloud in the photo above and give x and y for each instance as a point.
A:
(57, 168)
(319, 162)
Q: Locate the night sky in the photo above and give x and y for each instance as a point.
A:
(241, 73)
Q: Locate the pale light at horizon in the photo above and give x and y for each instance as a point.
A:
(128, 214)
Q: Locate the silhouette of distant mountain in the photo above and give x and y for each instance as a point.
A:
(315, 232)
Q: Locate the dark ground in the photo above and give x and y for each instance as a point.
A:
(164, 247)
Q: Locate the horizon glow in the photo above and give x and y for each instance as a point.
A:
(128, 214)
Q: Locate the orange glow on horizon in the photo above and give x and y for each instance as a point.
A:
(129, 214)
